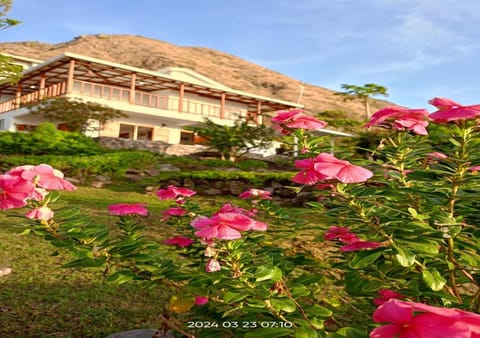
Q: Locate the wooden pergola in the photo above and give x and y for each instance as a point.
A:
(67, 67)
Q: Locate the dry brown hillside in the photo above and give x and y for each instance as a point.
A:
(228, 69)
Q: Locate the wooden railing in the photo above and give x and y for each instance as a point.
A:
(123, 95)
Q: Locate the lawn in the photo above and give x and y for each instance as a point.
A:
(41, 299)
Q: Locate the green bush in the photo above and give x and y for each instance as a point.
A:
(46, 139)
(252, 164)
(83, 167)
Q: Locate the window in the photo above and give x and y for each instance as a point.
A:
(126, 131)
(144, 133)
(186, 137)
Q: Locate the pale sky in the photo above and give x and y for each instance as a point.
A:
(418, 49)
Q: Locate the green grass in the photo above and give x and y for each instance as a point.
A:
(41, 299)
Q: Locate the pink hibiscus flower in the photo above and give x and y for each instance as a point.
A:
(172, 192)
(344, 171)
(42, 213)
(256, 194)
(449, 110)
(296, 119)
(225, 226)
(123, 209)
(410, 319)
(44, 176)
(180, 241)
(415, 120)
(14, 191)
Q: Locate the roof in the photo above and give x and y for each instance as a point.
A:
(115, 74)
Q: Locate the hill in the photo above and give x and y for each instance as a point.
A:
(228, 69)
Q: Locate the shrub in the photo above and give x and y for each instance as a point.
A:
(252, 165)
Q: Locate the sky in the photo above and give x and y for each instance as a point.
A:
(418, 49)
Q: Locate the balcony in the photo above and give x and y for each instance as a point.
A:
(120, 94)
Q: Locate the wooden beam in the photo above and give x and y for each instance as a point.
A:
(131, 95)
(222, 105)
(180, 97)
(258, 118)
(71, 69)
(18, 95)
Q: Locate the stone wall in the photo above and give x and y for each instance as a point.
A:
(153, 146)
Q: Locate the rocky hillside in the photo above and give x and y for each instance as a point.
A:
(225, 68)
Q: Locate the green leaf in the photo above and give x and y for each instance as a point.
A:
(363, 259)
(85, 262)
(305, 332)
(433, 279)
(265, 272)
(269, 333)
(121, 277)
(417, 216)
(404, 256)
(233, 297)
(284, 304)
(318, 311)
(430, 247)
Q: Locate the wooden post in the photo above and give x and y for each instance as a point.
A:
(71, 68)
(222, 105)
(18, 95)
(41, 92)
(258, 116)
(131, 94)
(180, 97)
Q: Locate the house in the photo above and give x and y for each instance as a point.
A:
(158, 104)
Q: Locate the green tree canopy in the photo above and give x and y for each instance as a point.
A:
(77, 115)
(234, 141)
(363, 93)
(9, 72)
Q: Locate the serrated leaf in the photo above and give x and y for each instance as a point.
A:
(433, 279)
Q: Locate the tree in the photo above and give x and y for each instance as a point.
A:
(362, 93)
(234, 141)
(77, 115)
(9, 72)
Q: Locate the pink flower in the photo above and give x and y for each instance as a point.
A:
(44, 176)
(225, 226)
(360, 245)
(386, 295)
(308, 175)
(256, 194)
(344, 171)
(415, 120)
(437, 155)
(229, 208)
(410, 320)
(213, 265)
(200, 300)
(474, 168)
(42, 213)
(296, 119)
(172, 192)
(173, 211)
(179, 241)
(343, 234)
(449, 110)
(128, 209)
(14, 191)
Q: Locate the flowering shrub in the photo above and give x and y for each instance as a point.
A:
(406, 228)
